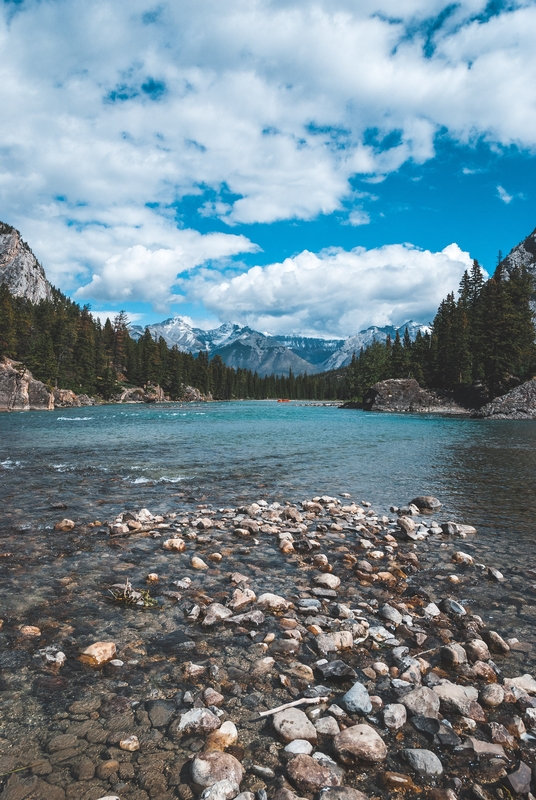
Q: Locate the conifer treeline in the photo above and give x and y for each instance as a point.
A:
(484, 337)
(65, 346)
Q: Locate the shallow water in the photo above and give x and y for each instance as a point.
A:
(172, 458)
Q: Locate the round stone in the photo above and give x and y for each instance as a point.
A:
(360, 742)
(210, 768)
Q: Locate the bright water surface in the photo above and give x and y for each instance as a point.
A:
(112, 457)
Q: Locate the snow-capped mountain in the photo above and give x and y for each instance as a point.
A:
(243, 347)
(343, 356)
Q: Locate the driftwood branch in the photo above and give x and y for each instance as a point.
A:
(305, 701)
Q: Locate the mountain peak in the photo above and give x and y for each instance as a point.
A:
(19, 269)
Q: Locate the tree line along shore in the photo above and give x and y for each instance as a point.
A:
(482, 342)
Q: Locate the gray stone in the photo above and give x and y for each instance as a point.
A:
(198, 720)
(160, 712)
(327, 726)
(357, 700)
(342, 793)
(299, 747)
(422, 701)
(294, 724)
(221, 790)
(391, 614)
(426, 502)
(424, 762)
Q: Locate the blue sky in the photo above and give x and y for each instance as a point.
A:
(298, 166)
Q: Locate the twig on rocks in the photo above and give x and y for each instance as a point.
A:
(20, 769)
(313, 701)
(425, 652)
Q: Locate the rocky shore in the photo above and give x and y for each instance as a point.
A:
(266, 651)
(20, 391)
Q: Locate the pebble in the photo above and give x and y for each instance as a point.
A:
(357, 700)
(424, 762)
(394, 716)
(210, 768)
(360, 742)
(299, 746)
(294, 724)
(198, 720)
(98, 653)
(310, 775)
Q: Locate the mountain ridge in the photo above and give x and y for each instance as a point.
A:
(242, 347)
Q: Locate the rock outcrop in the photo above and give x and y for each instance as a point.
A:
(137, 394)
(19, 391)
(19, 269)
(520, 403)
(404, 394)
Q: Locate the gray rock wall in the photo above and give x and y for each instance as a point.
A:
(19, 391)
(19, 268)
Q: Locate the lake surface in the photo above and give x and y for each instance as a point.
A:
(179, 459)
(112, 457)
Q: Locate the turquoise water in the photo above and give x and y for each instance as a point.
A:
(111, 457)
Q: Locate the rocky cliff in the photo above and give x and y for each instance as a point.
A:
(20, 392)
(520, 403)
(19, 268)
(404, 394)
(523, 254)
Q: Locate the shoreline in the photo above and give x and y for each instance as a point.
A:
(242, 610)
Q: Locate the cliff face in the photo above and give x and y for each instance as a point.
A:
(523, 254)
(19, 268)
(20, 392)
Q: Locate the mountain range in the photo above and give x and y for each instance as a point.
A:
(238, 346)
(244, 347)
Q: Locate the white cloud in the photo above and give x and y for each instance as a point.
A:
(142, 274)
(358, 217)
(264, 105)
(336, 292)
(504, 196)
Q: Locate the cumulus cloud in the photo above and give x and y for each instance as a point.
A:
(336, 292)
(142, 274)
(117, 111)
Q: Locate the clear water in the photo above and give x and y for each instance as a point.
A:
(107, 457)
(170, 458)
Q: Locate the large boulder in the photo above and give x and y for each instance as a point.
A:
(520, 403)
(19, 391)
(404, 394)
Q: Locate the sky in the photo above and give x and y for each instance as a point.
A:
(297, 166)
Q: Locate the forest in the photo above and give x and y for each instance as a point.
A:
(482, 338)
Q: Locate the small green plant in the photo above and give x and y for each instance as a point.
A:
(128, 596)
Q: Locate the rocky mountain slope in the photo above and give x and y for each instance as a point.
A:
(523, 255)
(19, 268)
